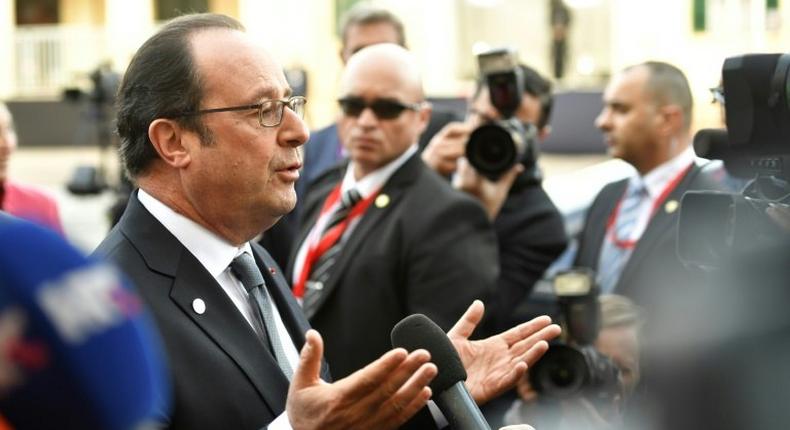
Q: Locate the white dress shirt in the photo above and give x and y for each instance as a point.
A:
(655, 183)
(366, 186)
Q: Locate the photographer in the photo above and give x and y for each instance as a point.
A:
(619, 340)
(528, 226)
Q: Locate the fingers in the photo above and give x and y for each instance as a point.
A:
(371, 377)
(446, 147)
(469, 321)
(413, 395)
(510, 176)
(309, 370)
(525, 330)
(534, 353)
(410, 372)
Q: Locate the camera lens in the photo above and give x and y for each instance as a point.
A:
(491, 150)
(561, 372)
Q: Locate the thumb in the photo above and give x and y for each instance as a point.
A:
(309, 370)
(469, 321)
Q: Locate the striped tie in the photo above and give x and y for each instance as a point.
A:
(320, 271)
(613, 255)
(245, 269)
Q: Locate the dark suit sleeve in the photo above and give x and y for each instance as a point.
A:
(531, 236)
(453, 262)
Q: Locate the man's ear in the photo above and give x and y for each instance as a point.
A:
(425, 115)
(166, 135)
(671, 119)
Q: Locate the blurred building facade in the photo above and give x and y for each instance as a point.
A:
(47, 45)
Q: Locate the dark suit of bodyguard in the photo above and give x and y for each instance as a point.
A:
(424, 248)
(419, 246)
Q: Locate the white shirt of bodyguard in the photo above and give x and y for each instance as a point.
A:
(366, 186)
(655, 182)
(215, 254)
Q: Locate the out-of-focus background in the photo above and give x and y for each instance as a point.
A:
(53, 53)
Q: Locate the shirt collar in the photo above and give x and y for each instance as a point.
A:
(376, 179)
(213, 252)
(655, 180)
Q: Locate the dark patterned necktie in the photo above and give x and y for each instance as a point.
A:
(321, 269)
(245, 269)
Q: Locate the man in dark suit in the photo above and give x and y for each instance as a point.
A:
(630, 234)
(362, 26)
(529, 228)
(415, 244)
(210, 134)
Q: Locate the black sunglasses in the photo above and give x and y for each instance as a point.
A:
(382, 108)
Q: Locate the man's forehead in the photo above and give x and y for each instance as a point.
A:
(626, 86)
(361, 35)
(229, 56)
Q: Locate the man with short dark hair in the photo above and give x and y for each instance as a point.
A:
(210, 133)
(630, 232)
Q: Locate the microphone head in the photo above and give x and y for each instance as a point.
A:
(418, 332)
(77, 349)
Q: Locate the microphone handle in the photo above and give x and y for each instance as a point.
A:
(460, 409)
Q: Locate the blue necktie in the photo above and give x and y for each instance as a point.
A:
(613, 256)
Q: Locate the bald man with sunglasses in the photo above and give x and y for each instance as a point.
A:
(409, 244)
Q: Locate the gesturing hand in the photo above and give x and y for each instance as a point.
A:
(383, 395)
(495, 364)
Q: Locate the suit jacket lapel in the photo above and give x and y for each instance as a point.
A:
(661, 225)
(394, 188)
(221, 322)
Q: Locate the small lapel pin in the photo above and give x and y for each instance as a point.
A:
(199, 306)
(382, 201)
(272, 271)
(671, 206)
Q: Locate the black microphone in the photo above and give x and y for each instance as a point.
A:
(450, 394)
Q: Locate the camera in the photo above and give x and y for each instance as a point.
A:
(494, 147)
(573, 366)
(716, 227)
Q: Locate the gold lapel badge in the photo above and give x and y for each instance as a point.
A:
(671, 206)
(382, 201)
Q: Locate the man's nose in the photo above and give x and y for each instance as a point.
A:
(602, 121)
(367, 117)
(293, 130)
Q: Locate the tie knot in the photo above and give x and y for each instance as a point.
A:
(636, 191)
(350, 198)
(246, 270)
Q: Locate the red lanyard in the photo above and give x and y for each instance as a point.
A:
(331, 236)
(630, 244)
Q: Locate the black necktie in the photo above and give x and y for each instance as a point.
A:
(247, 272)
(321, 269)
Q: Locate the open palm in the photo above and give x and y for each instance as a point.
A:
(495, 364)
